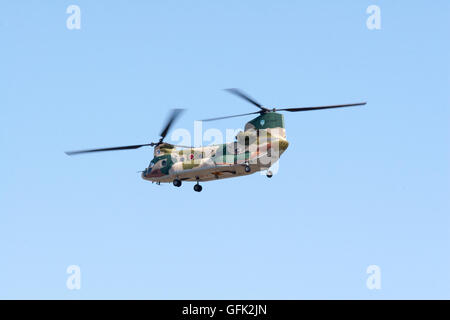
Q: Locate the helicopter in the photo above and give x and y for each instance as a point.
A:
(255, 149)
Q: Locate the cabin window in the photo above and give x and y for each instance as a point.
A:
(163, 163)
(262, 122)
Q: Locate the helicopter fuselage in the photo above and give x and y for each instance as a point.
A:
(255, 149)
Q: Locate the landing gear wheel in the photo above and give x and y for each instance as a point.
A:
(269, 174)
(177, 183)
(247, 168)
(197, 188)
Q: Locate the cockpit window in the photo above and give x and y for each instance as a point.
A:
(151, 164)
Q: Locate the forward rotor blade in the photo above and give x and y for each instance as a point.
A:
(322, 107)
(181, 146)
(71, 153)
(246, 97)
(226, 117)
(172, 118)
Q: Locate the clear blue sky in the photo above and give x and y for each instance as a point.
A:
(356, 187)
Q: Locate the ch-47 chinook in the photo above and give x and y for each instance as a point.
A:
(256, 148)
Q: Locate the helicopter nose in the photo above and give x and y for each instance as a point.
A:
(152, 173)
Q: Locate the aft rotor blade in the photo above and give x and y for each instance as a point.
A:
(322, 107)
(137, 146)
(226, 117)
(172, 118)
(246, 97)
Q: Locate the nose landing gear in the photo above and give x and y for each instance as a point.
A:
(177, 183)
(269, 174)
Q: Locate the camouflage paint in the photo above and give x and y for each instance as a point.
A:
(265, 121)
(264, 131)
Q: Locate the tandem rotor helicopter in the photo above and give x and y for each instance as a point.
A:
(256, 148)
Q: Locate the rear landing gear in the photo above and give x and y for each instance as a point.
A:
(247, 168)
(177, 183)
(269, 174)
(197, 187)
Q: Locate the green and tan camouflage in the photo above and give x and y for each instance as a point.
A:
(256, 148)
